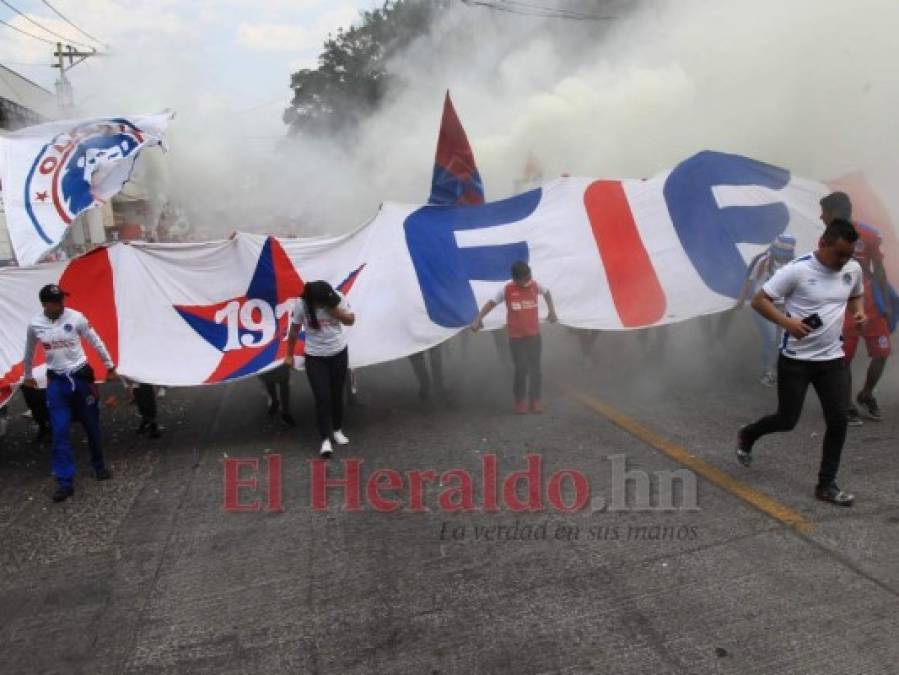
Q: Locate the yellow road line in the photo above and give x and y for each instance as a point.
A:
(751, 496)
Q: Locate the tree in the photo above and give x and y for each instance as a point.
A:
(352, 75)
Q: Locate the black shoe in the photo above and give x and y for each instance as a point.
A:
(744, 447)
(103, 474)
(870, 408)
(63, 493)
(288, 419)
(142, 427)
(852, 419)
(154, 430)
(831, 493)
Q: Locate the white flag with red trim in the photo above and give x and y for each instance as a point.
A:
(54, 172)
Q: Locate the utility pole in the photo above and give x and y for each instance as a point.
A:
(64, 92)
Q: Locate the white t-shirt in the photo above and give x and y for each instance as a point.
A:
(808, 287)
(329, 339)
(62, 342)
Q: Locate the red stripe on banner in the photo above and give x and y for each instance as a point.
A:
(290, 284)
(55, 186)
(89, 282)
(635, 288)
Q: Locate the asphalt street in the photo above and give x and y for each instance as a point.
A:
(150, 573)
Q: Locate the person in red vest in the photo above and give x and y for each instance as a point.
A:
(523, 325)
(876, 332)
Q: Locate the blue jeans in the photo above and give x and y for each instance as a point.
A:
(68, 398)
(770, 334)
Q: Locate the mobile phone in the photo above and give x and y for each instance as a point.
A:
(813, 321)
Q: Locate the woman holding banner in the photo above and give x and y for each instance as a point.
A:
(323, 312)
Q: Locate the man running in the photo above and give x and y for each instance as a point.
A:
(71, 391)
(815, 289)
(876, 332)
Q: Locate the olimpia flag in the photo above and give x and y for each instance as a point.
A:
(456, 179)
(54, 172)
(617, 254)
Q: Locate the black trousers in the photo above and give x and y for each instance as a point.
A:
(421, 369)
(526, 359)
(145, 398)
(831, 382)
(36, 400)
(327, 377)
(277, 382)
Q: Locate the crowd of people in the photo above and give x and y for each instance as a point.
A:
(811, 313)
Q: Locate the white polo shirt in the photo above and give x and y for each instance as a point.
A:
(329, 338)
(808, 287)
(61, 339)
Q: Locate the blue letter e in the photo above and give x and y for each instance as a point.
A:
(445, 269)
(710, 234)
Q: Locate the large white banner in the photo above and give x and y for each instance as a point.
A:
(54, 172)
(615, 254)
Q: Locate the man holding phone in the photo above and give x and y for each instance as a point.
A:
(816, 289)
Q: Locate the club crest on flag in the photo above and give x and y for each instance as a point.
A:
(68, 171)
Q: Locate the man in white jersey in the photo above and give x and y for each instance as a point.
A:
(815, 289)
(71, 391)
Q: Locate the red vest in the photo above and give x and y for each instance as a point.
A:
(521, 310)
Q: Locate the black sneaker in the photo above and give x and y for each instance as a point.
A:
(831, 493)
(288, 419)
(853, 420)
(744, 447)
(63, 493)
(103, 474)
(870, 408)
(155, 431)
(142, 427)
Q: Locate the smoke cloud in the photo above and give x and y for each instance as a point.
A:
(805, 84)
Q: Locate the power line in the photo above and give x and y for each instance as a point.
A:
(73, 25)
(561, 11)
(25, 32)
(44, 28)
(526, 9)
(11, 87)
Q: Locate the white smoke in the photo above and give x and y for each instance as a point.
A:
(805, 84)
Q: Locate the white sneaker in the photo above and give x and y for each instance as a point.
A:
(326, 450)
(340, 438)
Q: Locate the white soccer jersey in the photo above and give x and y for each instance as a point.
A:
(808, 287)
(61, 339)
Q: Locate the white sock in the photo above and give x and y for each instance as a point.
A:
(340, 438)
(326, 447)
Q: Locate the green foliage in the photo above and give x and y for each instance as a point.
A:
(352, 75)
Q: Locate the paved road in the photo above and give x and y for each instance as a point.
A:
(148, 573)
